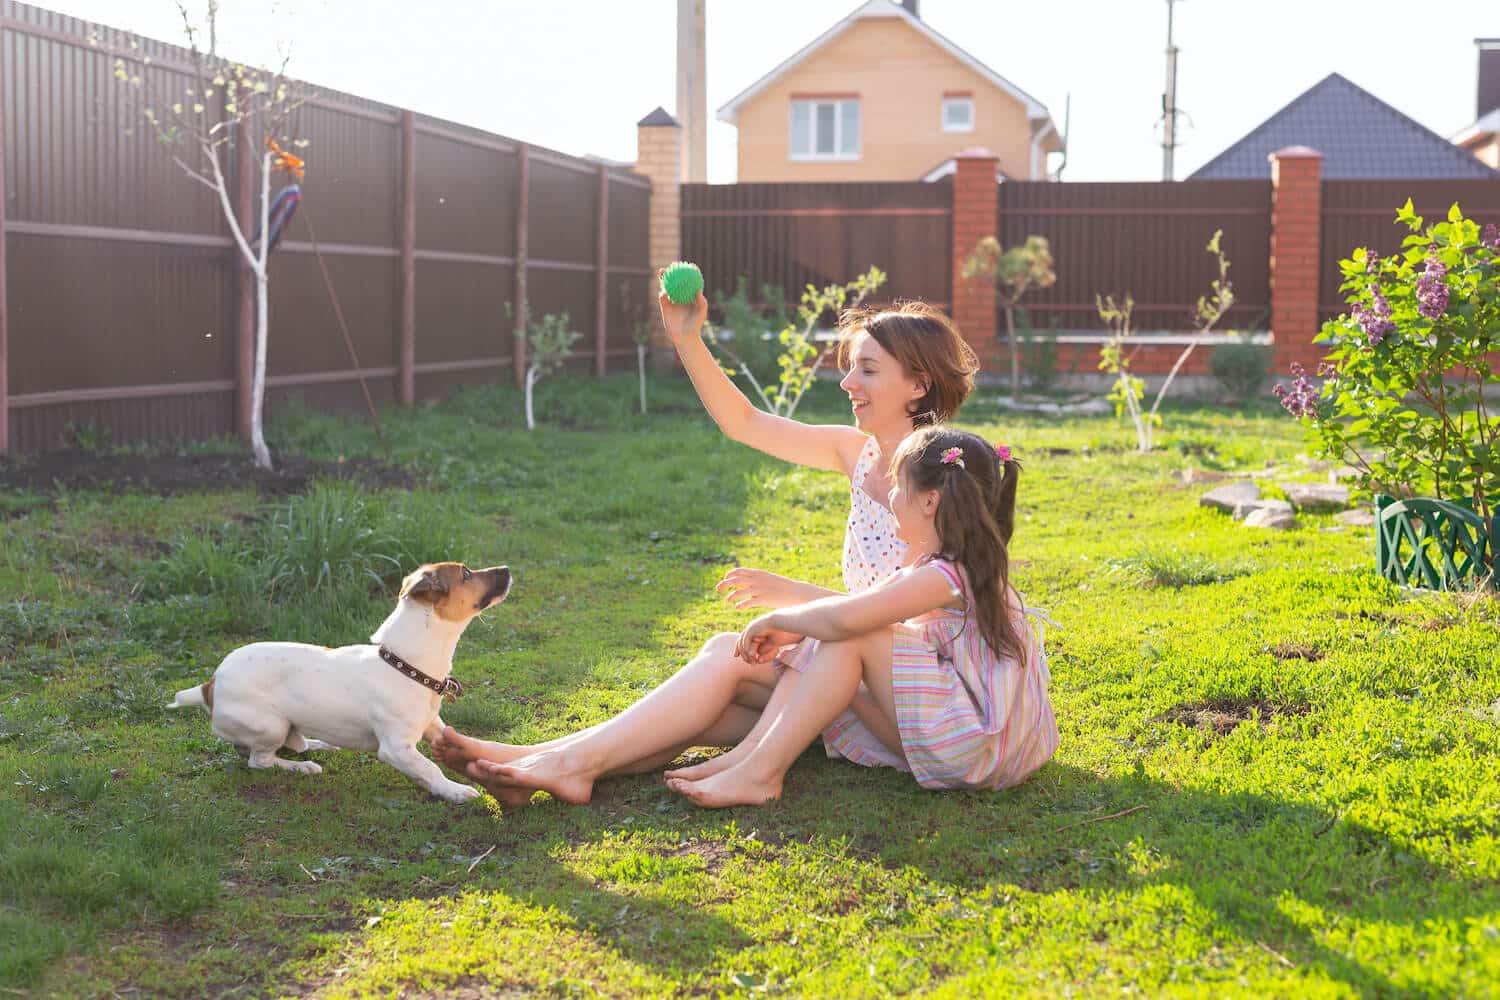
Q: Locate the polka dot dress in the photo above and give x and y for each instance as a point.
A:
(872, 552)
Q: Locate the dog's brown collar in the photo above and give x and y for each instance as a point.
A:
(448, 689)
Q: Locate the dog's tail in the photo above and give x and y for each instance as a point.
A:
(203, 695)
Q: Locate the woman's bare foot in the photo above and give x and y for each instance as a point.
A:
(735, 787)
(714, 765)
(454, 750)
(552, 771)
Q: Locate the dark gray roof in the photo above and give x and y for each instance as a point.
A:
(1360, 136)
(660, 117)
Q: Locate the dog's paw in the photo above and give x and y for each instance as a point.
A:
(455, 792)
(304, 767)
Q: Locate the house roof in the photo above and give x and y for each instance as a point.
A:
(883, 9)
(1360, 136)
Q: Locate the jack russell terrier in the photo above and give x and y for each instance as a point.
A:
(383, 697)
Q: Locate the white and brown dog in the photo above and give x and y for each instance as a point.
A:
(382, 697)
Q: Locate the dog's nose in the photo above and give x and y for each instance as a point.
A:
(502, 579)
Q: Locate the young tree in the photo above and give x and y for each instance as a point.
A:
(800, 356)
(549, 344)
(1129, 391)
(1013, 272)
(228, 104)
(640, 332)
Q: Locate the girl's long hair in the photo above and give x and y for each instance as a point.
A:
(976, 516)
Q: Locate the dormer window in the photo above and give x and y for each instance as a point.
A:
(958, 112)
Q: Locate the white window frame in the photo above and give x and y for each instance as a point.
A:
(838, 104)
(951, 101)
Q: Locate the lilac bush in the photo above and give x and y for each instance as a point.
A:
(1403, 388)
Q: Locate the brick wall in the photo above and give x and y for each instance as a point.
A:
(976, 199)
(1296, 229)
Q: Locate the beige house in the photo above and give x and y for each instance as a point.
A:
(1483, 137)
(881, 96)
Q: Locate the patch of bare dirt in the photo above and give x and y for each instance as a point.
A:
(713, 852)
(1222, 717)
(1297, 651)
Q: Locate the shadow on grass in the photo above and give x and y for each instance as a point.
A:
(1259, 863)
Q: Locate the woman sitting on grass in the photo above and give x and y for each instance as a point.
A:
(906, 367)
(942, 646)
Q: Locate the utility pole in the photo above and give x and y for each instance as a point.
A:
(1169, 103)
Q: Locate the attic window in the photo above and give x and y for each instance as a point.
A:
(825, 128)
(958, 114)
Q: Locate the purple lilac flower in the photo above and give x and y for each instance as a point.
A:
(1375, 319)
(1432, 290)
(1490, 236)
(1302, 399)
(1372, 262)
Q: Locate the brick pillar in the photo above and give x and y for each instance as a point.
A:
(659, 158)
(1296, 229)
(976, 207)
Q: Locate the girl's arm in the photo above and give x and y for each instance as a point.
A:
(827, 446)
(845, 616)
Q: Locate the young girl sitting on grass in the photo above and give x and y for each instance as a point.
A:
(942, 646)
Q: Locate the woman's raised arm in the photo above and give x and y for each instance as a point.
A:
(821, 446)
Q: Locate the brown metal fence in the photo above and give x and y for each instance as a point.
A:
(1144, 239)
(793, 235)
(119, 297)
(1363, 214)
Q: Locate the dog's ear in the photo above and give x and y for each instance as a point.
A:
(426, 584)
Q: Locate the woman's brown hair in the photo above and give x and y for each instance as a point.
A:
(976, 516)
(928, 346)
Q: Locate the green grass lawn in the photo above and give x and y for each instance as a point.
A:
(1279, 775)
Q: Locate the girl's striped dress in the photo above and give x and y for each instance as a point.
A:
(967, 717)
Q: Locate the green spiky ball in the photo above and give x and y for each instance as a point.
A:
(682, 282)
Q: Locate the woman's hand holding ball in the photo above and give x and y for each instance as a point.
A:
(684, 310)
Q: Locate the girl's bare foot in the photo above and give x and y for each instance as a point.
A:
(552, 771)
(512, 798)
(710, 767)
(735, 787)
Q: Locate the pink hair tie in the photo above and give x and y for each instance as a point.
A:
(1002, 452)
(954, 456)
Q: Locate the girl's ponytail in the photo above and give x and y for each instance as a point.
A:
(976, 516)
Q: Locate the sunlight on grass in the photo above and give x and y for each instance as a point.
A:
(1277, 776)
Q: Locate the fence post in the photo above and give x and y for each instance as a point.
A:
(244, 314)
(659, 158)
(976, 214)
(518, 343)
(408, 258)
(601, 271)
(1296, 231)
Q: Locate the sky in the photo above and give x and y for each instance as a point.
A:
(576, 75)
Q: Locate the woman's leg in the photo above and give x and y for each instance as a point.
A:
(676, 712)
(728, 730)
(454, 750)
(831, 683)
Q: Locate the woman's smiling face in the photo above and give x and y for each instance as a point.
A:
(880, 390)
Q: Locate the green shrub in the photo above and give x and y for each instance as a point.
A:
(755, 328)
(1038, 353)
(1242, 368)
